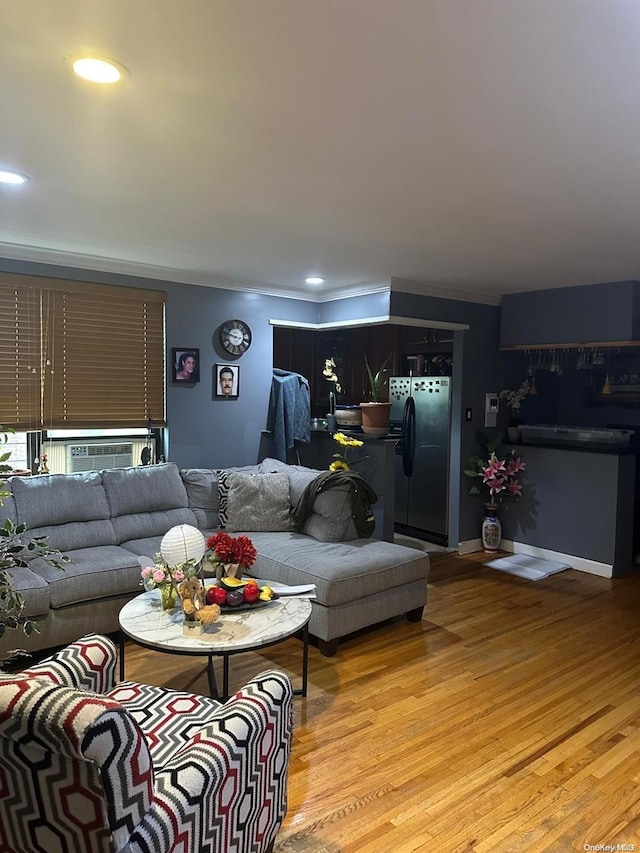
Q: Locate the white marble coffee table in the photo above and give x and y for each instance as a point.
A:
(143, 620)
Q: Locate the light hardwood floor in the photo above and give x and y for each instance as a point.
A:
(507, 720)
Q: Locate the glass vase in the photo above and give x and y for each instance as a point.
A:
(168, 596)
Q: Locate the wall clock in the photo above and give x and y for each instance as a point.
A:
(235, 337)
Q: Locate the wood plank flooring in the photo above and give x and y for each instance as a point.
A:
(507, 720)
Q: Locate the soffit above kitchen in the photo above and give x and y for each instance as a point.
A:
(471, 148)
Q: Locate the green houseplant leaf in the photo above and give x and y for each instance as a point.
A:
(15, 552)
(377, 380)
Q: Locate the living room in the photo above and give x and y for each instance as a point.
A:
(441, 166)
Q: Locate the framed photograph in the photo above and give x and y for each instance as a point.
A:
(226, 380)
(185, 362)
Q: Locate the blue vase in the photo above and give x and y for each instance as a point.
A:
(491, 529)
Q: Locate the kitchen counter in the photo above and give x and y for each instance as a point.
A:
(375, 460)
(577, 505)
(586, 449)
(576, 436)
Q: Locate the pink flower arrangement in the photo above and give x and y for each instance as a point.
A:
(499, 475)
(496, 477)
(160, 574)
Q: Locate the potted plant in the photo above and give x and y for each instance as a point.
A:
(495, 477)
(376, 413)
(15, 552)
(514, 402)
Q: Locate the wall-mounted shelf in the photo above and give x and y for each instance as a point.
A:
(599, 345)
(624, 396)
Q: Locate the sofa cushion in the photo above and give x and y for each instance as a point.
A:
(273, 466)
(257, 502)
(202, 490)
(147, 501)
(148, 488)
(8, 508)
(223, 497)
(146, 546)
(299, 479)
(92, 574)
(76, 534)
(330, 519)
(141, 524)
(35, 590)
(177, 716)
(341, 571)
(223, 488)
(59, 498)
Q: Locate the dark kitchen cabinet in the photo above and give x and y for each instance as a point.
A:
(587, 314)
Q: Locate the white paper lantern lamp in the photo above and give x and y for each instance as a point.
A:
(181, 544)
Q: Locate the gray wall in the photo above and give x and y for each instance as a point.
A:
(203, 431)
(208, 432)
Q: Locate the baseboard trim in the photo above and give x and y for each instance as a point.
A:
(581, 564)
(469, 546)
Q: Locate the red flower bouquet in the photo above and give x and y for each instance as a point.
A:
(232, 555)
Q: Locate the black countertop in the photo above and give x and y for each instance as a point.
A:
(583, 448)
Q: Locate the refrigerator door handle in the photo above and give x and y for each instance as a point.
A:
(409, 436)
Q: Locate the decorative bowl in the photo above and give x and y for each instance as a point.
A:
(348, 416)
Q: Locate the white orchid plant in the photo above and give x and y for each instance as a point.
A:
(515, 398)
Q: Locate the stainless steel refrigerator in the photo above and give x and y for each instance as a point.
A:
(421, 413)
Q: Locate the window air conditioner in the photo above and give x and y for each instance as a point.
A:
(95, 457)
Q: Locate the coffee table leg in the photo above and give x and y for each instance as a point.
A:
(305, 661)
(211, 673)
(121, 645)
(225, 678)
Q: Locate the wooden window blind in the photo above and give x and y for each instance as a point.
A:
(74, 354)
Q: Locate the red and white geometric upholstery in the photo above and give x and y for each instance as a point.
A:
(86, 765)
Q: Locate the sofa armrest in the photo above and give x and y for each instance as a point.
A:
(235, 768)
(89, 664)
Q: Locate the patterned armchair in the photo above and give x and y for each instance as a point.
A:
(87, 765)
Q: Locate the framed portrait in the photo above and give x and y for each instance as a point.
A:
(226, 380)
(185, 363)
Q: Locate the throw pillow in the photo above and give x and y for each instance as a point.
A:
(223, 496)
(257, 502)
(223, 487)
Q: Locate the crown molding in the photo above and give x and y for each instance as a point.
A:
(385, 319)
(422, 288)
(97, 263)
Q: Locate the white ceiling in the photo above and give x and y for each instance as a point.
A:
(483, 146)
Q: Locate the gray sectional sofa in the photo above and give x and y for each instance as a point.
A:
(104, 521)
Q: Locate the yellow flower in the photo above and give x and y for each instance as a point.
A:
(345, 441)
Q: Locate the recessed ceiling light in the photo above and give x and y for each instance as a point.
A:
(15, 178)
(314, 279)
(97, 69)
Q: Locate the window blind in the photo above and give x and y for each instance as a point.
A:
(75, 354)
